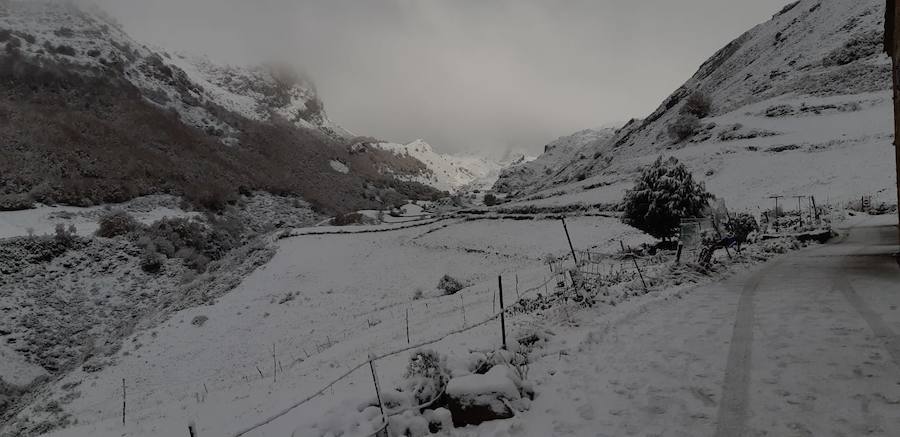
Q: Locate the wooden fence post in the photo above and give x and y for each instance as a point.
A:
(633, 258)
(502, 310)
(462, 306)
(123, 401)
(378, 393)
(678, 253)
(274, 365)
(571, 247)
(407, 326)
(517, 286)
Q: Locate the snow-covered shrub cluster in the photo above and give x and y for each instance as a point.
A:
(117, 223)
(436, 395)
(780, 245)
(450, 285)
(860, 47)
(195, 241)
(352, 218)
(426, 376)
(741, 226)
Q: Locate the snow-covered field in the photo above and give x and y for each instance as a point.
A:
(324, 303)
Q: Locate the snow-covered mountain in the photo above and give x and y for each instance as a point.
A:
(260, 92)
(803, 100)
(557, 155)
(150, 122)
(85, 36)
(446, 172)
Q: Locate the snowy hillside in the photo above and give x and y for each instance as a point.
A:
(802, 99)
(260, 92)
(446, 172)
(193, 87)
(557, 155)
(154, 123)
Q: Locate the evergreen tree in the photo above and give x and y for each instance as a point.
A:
(664, 193)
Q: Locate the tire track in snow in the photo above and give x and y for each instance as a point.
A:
(881, 329)
(732, 415)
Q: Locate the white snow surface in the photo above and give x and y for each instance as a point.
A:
(339, 166)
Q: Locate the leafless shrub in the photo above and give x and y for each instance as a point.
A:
(697, 104)
(684, 127)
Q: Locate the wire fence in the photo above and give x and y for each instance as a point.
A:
(373, 358)
(565, 274)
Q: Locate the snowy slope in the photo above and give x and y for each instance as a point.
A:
(800, 104)
(259, 92)
(84, 36)
(557, 155)
(446, 172)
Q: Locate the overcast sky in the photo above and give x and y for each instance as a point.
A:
(469, 76)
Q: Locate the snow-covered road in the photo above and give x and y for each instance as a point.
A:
(808, 344)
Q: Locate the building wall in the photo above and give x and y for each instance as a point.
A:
(892, 47)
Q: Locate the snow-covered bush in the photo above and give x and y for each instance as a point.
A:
(780, 245)
(664, 193)
(426, 376)
(859, 47)
(151, 260)
(116, 223)
(196, 242)
(684, 127)
(66, 237)
(353, 218)
(531, 338)
(450, 285)
(741, 226)
(495, 394)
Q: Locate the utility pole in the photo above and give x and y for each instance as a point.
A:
(776, 210)
(800, 208)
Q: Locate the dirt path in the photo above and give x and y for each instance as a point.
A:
(805, 346)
